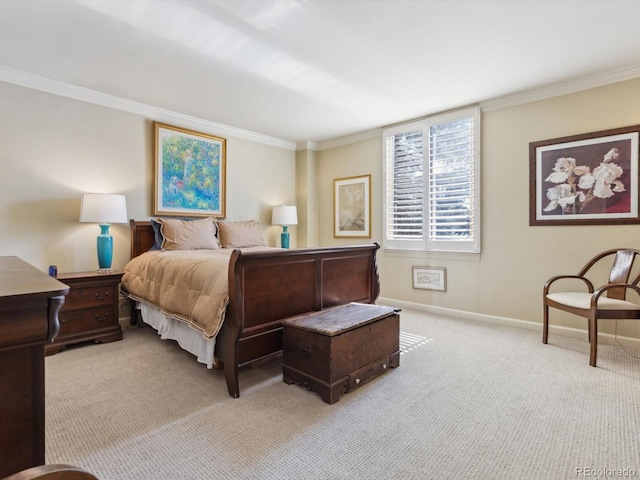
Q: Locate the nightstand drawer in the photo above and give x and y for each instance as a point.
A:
(89, 297)
(85, 320)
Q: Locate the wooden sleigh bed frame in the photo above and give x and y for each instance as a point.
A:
(266, 287)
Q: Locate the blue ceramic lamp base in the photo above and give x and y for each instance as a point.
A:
(284, 237)
(105, 249)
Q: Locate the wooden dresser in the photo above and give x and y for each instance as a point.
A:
(90, 311)
(29, 304)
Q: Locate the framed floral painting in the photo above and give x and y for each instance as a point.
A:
(588, 179)
(189, 173)
(352, 207)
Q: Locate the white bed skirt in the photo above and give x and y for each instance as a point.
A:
(171, 329)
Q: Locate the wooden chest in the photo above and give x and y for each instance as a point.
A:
(336, 350)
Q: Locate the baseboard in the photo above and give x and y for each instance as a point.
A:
(510, 322)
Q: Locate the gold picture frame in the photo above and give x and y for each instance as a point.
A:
(352, 207)
(189, 173)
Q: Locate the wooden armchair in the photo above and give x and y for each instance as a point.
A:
(52, 472)
(608, 302)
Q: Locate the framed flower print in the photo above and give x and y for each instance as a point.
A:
(588, 179)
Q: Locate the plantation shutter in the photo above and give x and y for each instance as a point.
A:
(405, 187)
(451, 184)
(431, 184)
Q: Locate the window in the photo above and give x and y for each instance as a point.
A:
(431, 183)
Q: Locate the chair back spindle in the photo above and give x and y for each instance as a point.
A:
(620, 272)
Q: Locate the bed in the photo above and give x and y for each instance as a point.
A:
(265, 286)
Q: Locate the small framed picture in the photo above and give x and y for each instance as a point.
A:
(430, 278)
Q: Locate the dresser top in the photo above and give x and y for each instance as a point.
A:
(18, 277)
(111, 274)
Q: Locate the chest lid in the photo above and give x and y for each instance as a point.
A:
(340, 319)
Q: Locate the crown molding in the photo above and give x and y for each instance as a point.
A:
(306, 145)
(356, 137)
(154, 113)
(564, 88)
(508, 101)
(63, 89)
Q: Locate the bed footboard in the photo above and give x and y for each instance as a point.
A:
(266, 287)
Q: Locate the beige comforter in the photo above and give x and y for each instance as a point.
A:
(192, 286)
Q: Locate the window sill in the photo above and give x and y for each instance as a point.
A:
(422, 254)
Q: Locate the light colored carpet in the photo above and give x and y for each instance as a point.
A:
(469, 401)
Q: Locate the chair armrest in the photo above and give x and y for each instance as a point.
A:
(53, 472)
(586, 281)
(602, 290)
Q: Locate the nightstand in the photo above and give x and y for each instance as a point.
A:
(90, 311)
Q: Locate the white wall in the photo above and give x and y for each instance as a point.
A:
(506, 279)
(53, 149)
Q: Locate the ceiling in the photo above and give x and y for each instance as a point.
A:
(315, 70)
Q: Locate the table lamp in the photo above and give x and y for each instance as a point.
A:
(104, 209)
(284, 215)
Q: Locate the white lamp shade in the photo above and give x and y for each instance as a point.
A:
(103, 208)
(284, 215)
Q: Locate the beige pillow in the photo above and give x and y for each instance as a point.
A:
(241, 234)
(189, 234)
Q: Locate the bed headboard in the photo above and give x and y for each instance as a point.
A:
(142, 236)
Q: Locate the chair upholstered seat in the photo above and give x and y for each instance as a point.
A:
(583, 300)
